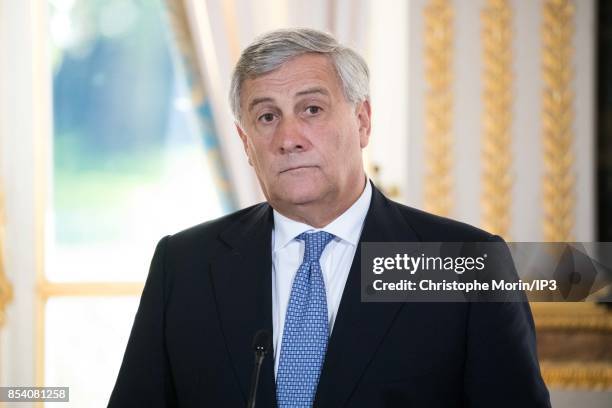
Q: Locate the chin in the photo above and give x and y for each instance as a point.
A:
(297, 195)
(299, 198)
(301, 188)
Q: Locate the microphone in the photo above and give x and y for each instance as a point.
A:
(261, 345)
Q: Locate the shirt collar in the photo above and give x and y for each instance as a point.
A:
(346, 227)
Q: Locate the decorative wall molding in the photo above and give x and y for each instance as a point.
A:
(438, 60)
(497, 96)
(593, 376)
(558, 186)
(571, 316)
(581, 332)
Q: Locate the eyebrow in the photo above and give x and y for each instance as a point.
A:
(315, 90)
(257, 101)
(309, 91)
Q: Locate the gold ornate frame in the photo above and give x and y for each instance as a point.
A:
(580, 332)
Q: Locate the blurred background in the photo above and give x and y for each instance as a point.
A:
(115, 131)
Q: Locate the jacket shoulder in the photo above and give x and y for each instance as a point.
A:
(208, 232)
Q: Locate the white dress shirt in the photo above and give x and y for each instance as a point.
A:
(336, 261)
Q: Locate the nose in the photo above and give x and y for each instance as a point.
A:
(289, 136)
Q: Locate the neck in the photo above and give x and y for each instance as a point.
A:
(319, 214)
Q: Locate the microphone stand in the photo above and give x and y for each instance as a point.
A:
(261, 344)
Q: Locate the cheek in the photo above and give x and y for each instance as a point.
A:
(253, 150)
(349, 141)
(258, 158)
(339, 152)
(253, 156)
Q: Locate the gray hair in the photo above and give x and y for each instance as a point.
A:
(271, 50)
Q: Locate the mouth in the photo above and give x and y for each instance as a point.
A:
(296, 168)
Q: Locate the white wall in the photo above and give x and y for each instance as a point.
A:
(24, 119)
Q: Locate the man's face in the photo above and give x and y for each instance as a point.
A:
(302, 136)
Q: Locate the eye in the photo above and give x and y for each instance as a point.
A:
(313, 110)
(266, 118)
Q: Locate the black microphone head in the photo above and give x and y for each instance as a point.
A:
(262, 341)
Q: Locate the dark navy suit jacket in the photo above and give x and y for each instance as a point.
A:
(209, 291)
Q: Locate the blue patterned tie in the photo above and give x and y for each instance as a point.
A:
(306, 329)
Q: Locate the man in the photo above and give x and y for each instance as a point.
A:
(291, 266)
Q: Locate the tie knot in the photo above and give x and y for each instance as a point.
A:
(315, 244)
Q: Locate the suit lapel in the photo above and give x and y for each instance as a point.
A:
(360, 327)
(242, 284)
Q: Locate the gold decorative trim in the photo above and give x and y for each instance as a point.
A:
(574, 375)
(438, 55)
(571, 316)
(558, 120)
(579, 318)
(47, 289)
(497, 117)
(6, 290)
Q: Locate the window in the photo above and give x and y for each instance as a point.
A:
(129, 165)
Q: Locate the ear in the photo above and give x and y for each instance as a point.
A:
(364, 117)
(245, 142)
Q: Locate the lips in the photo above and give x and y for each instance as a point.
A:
(296, 168)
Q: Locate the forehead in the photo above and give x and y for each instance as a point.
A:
(294, 75)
